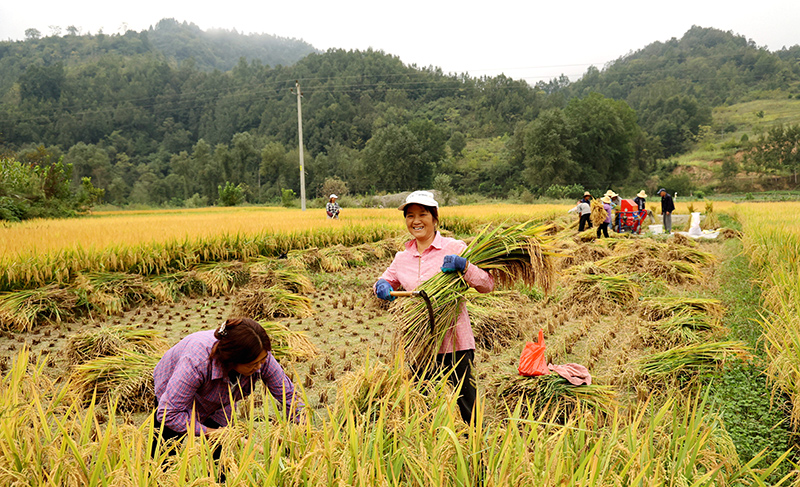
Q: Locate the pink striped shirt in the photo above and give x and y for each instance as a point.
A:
(186, 379)
(409, 269)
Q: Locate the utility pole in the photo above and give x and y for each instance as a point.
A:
(300, 141)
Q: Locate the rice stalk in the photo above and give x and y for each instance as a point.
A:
(689, 254)
(296, 282)
(599, 292)
(91, 344)
(520, 252)
(662, 307)
(112, 293)
(498, 319)
(332, 259)
(125, 379)
(221, 277)
(23, 310)
(170, 288)
(599, 213)
(272, 302)
(555, 394)
(691, 359)
(684, 327)
(292, 345)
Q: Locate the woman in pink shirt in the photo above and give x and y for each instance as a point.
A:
(424, 256)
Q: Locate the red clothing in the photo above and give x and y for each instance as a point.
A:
(409, 269)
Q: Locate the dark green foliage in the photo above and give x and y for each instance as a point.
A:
(230, 194)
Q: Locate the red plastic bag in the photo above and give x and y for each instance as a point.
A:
(533, 362)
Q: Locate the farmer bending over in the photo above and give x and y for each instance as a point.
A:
(205, 370)
(424, 256)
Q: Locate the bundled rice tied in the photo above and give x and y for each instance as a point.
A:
(272, 302)
(376, 386)
(682, 328)
(597, 293)
(694, 359)
(221, 277)
(659, 308)
(499, 318)
(125, 379)
(553, 394)
(288, 344)
(111, 292)
(599, 213)
(113, 340)
(23, 310)
(521, 252)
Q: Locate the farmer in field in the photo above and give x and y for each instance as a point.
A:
(424, 256)
(584, 212)
(603, 227)
(615, 206)
(667, 207)
(197, 380)
(332, 208)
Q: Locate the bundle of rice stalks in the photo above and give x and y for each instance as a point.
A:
(599, 213)
(377, 386)
(659, 308)
(333, 259)
(601, 292)
(116, 340)
(171, 288)
(586, 236)
(681, 239)
(221, 277)
(683, 327)
(307, 259)
(22, 310)
(520, 252)
(297, 282)
(689, 253)
(583, 253)
(698, 358)
(288, 344)
(675, 272)
(553, 393)
(111, 292)
(126, 378)
(498, 319)
(729, 233)
(272, 302)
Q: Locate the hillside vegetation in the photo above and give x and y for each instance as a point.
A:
(180, 117)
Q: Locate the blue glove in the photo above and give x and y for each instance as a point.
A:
(382, 290)
(454, 263)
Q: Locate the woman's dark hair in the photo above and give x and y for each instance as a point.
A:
(240, 341)
(430, 209)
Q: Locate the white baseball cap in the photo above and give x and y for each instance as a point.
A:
(424, 198)
(332, 196)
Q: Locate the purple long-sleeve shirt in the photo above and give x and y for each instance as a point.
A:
(410, 268)
(186, 379)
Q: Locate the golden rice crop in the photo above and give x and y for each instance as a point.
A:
(599, 213)
(661, 307)
(221, 277)
(112, 292)
(125, 379)
(498, 318)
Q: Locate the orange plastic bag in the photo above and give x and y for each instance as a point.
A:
(533, 362)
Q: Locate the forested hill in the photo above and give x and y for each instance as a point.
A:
(149, 129)
(673, 85)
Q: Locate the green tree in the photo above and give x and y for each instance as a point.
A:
(230, 194)
(457, 143)
(548, 144)
(393, 158)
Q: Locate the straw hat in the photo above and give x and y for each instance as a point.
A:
(606, 199)
(641, 194)
(586, 193)
(611, 194)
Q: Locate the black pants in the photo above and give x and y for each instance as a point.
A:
(169, 434)
(460, 377)
(604, 227)
(587, 218)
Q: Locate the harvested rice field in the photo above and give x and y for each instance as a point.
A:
(645, 315)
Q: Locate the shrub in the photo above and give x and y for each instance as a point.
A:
(287, 198)
(230, 195)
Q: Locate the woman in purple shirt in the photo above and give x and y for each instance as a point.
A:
(425, 255)
(198, 380)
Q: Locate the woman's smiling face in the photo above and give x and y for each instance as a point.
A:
(420, 222)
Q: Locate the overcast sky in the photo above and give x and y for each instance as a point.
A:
(529, 39)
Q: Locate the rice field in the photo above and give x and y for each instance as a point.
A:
(639, 313)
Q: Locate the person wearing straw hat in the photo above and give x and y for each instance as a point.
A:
(332, 208)
(585, 217)
(198, 380)
(427, 253)
(615, 204)
(667, 207)
(640, 200)
(603, 227)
